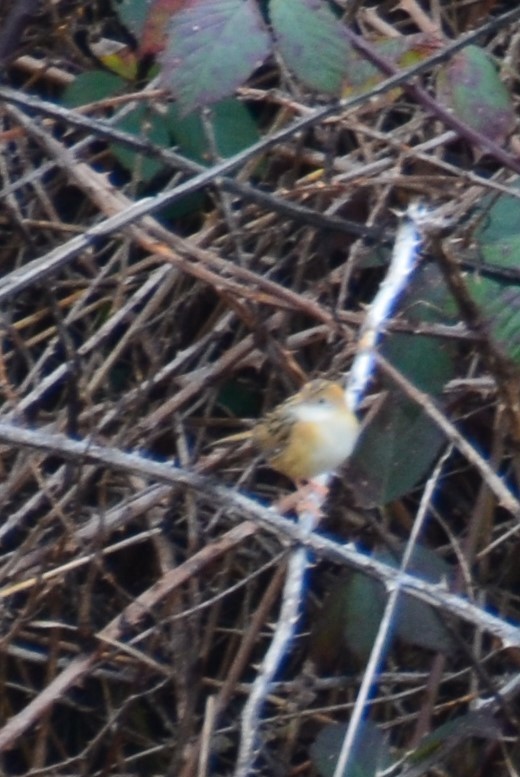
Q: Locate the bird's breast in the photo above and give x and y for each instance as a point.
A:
(318, 444)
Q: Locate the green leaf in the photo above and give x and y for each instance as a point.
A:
(312, 42)
(428, 362)
(401, 442)
(97, 85)
(344, 631)
(394, 452)
(142, 121)
(470, 85)
(499, 234)
(91, 87)
(213, 46)
(133, 14)
(352, 612)
(233, 127)
(498, 243)
(369, 756)
(417, 623)
(363, 604)
(435, 747)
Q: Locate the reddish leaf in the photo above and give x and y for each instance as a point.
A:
(470, 85)
(153, 39)
(312, 42)
(405, 51)
(213, 46)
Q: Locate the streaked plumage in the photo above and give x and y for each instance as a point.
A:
(309, 434)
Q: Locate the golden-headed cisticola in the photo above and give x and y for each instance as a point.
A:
(309, 434)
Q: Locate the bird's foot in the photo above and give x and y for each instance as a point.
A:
(309, 497)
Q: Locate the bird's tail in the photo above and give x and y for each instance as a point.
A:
(238, 437)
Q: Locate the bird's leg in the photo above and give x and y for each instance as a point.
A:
(309, 496)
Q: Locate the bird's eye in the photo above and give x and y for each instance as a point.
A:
(322, 400)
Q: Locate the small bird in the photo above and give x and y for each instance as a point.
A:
(309, 434)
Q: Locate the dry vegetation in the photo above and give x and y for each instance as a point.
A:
(133, 596)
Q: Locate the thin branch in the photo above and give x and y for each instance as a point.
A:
(210, 490)
(405, 256)
(384, 633)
